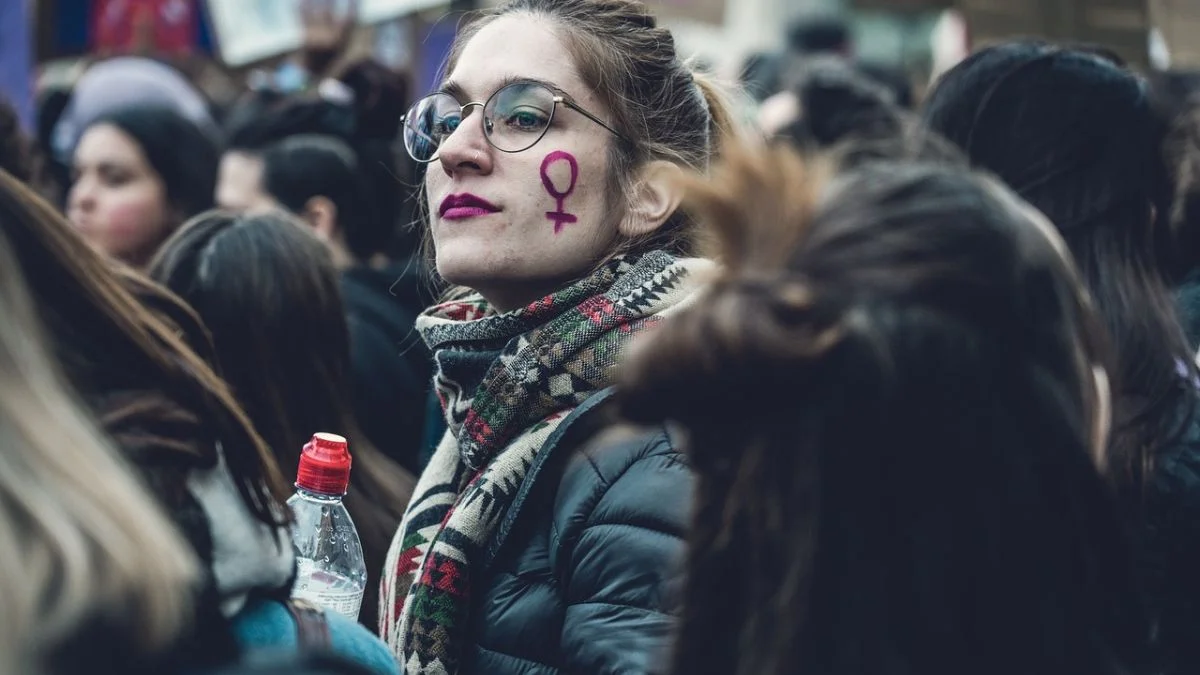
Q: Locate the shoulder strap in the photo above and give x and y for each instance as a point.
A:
(312, 630)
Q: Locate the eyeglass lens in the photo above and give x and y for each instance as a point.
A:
(514, 119)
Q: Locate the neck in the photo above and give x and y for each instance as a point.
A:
(512, 297)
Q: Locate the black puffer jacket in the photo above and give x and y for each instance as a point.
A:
(584, 576)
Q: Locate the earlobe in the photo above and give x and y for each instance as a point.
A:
(656, 197)
(321, 213)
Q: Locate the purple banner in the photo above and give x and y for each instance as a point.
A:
(16, 58)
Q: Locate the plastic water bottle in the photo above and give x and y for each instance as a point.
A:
(331, 572)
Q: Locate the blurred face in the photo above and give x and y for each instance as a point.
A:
(117, 200)
(517, 226)
(239, 183)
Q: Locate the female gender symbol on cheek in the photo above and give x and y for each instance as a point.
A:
(559, 216)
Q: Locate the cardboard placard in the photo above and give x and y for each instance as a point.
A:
(246, 32)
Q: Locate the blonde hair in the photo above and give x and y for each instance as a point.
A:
(80, 538)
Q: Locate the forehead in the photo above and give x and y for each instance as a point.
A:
(513, 47)
(105, 141)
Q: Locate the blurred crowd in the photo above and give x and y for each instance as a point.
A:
(827, 370)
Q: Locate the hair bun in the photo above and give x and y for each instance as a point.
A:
(745, 338)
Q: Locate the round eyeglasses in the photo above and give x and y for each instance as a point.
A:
(514, 119)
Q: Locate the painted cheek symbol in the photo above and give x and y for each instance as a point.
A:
(559, 216)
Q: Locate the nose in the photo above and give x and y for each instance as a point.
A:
(466, 150)
(82, 196)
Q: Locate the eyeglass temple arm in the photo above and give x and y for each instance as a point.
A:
(590, 116)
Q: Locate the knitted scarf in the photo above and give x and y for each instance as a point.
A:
(506, 381)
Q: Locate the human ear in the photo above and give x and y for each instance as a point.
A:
(656, 196)
(321, 214)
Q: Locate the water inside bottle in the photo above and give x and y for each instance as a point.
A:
(334, 592)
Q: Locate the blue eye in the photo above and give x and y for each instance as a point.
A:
(526, 119)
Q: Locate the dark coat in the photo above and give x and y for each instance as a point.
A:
(1170, 549)
(390, 366)
(584, 575)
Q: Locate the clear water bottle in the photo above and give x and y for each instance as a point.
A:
(329, 557)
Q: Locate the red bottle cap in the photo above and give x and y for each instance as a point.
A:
(324, 465)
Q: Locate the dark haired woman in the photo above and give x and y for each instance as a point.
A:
(139, 173)
(319, 178)
(267, 290)
(894, 402)
(552, 207)
(1076, 134)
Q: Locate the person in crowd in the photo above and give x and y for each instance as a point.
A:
(1075, 133)
(95, 574)
(265, 119)
(138, 174)
(551, 145)
(820, 34)
(759, 75)
(894, 79)
(833, 104)
(894, 399)
(318, 179)
(267, 290)
(140, 361)
(362, 109)
(108, 86)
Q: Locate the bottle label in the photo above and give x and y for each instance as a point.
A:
(332, 591)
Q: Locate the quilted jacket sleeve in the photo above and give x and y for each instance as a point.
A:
(617, 547)
(1170, 554)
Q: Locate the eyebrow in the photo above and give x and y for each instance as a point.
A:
(459, 92)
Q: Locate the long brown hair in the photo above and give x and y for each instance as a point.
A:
(888, 399)
(268, 290)
(82, 540)
(130, 349)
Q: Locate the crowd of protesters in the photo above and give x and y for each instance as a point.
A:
(877, 379)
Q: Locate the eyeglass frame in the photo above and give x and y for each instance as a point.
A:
(557, 96)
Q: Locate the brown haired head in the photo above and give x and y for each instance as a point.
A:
(890, 381)
(130, 348)
(663, 109)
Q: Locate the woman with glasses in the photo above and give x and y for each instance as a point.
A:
(552, 144)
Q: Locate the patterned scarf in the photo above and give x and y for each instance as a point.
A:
(506, 381)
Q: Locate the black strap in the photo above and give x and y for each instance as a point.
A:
(312, 630)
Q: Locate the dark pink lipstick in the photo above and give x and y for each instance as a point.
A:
(466, 205)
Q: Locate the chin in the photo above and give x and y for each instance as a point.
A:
(470, 266)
